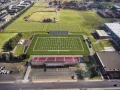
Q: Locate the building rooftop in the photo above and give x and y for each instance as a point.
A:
(110, 60)
(102, 33)
(114, 27)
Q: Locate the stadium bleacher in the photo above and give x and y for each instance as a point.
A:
(55, 60)
(58, 32)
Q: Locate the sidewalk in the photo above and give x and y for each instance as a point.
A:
(90, 49)
(84, 71)
(27, 74)
(51, 81)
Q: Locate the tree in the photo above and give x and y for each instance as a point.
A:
(11, 55)
(93, 71)
(5, 56)
(0, 56)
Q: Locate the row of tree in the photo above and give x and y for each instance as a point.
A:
(12, 42)
(93, 71)
(11, 57)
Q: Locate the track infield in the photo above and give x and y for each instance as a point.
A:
(58, 45)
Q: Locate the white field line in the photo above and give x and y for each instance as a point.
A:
(57, 50)
(35, 44)
(44, 29)
(81, 44)
(80, 28)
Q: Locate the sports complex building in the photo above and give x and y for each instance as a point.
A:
(114, 30)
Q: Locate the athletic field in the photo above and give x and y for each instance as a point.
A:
(58, 44)
(68, 19)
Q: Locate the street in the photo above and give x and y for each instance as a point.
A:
(59, 85)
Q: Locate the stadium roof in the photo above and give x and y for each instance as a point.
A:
(110, 60)
(114, 27)
(102, 33)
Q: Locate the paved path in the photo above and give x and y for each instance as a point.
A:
(90, 49)
(14, 49)
(27, 74)
(84, 71)
(96, 42)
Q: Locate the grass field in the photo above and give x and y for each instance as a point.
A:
(39, 16)
(71, 20)
(58, 44)
(4, 37)
(19, 50)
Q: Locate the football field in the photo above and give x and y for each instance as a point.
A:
(58, 44)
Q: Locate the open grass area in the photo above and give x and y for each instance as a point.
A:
(74, 21)
(71, 20)
(19, 50)
(4, 37)
(101, 44)
(39, 16)
(58, 44)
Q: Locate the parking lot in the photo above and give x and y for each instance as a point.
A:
(52, 73)
(16, 71)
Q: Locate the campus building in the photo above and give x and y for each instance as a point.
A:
(109, 63)
(114, 30)
(102, 34)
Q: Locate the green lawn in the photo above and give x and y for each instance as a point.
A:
(19, 50)
(39, 16)
(4, 37)
(58, 44)
(101, 44)
(71, 20)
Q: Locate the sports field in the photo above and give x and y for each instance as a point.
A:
(58, 44)
(68, 19)
(39, 16)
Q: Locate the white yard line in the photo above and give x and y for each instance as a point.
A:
(44, 29)
(56, 50)
(35, 44)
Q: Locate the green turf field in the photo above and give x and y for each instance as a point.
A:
(58, 44)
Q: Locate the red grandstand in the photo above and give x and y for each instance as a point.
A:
(55, 61)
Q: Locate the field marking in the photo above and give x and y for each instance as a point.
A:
(45, 27)
(35, 44)
(57, 50)
(80, 28)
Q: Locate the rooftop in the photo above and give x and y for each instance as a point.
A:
(102, 33)
(114, 27)
(110, 60)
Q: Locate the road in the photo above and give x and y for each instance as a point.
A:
(59, 85)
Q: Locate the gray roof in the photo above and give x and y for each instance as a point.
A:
(114, 27)
(102, 33)
(110, 60)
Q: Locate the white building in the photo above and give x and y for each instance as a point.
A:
(114, 30)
